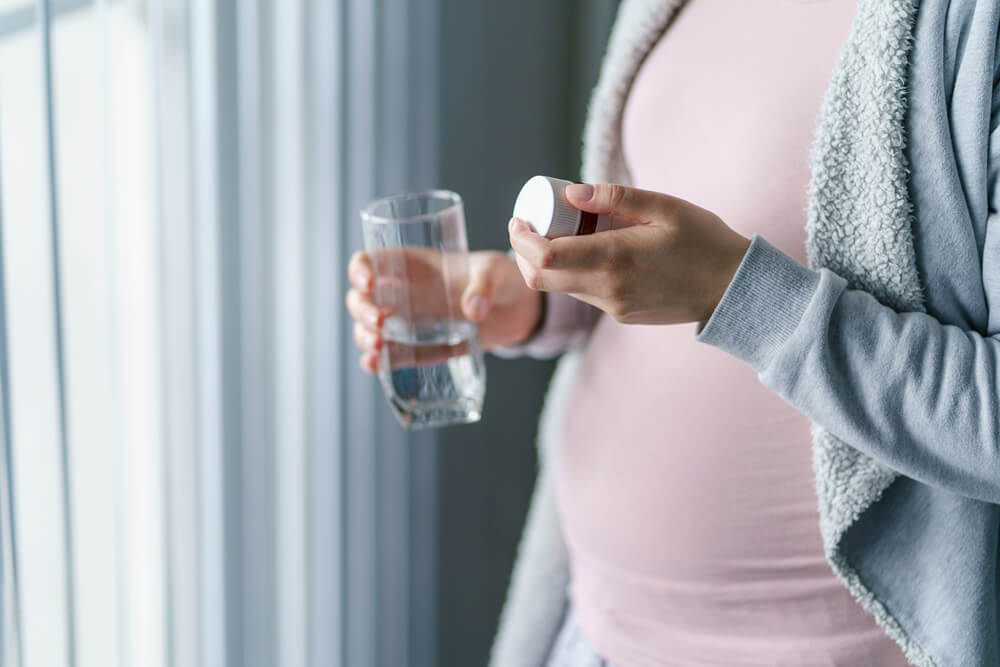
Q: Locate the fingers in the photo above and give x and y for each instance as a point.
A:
(551, 280)
(363, 310)
(567, 264)
(367, 318)
(532, 246)
(359, 272)
(367, 340)
(632, 203)
(367, 322)
(568, 252)
(369, 362)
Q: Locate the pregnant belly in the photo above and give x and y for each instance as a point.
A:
(685, 490)
(675, 459)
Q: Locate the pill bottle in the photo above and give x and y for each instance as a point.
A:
(542, 204)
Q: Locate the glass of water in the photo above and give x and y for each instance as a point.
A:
(431, 366)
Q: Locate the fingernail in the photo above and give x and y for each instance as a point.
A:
(368, 362)
(478, 306)
(580, 191)
(511, 224)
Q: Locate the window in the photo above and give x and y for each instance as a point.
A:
(83, 375)
(198, 474)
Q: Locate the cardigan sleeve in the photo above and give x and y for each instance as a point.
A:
(918, 395)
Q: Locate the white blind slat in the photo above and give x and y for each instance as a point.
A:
(45, 26)
(10, 597)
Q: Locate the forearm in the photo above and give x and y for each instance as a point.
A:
(918, 395)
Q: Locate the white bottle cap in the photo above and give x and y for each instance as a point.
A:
(542, 204)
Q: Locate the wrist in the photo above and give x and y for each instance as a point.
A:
(730, 260)
(534, 318)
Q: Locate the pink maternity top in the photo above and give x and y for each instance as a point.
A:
(685, 487)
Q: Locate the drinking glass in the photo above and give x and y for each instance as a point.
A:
(431, 366)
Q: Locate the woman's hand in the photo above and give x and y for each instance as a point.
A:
(494, 296)
(671, 266)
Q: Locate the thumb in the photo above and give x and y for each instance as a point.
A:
(620, 200)
(478, 296)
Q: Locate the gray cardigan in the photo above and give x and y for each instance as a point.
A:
(888, 341)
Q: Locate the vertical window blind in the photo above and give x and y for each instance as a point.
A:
(193, 471)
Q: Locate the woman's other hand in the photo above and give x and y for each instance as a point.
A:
(671, 266)
(495, 297)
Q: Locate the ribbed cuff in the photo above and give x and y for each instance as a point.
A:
(762, 305)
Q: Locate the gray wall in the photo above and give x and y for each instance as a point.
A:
(515, 80)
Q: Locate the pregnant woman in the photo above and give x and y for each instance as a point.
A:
(773, 437)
